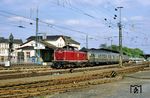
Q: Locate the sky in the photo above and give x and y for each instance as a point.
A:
(77, 19)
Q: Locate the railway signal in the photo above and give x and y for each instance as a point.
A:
(11, 40)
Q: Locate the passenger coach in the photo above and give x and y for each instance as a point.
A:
(104, 56)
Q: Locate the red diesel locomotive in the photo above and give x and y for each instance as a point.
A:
(64, 58)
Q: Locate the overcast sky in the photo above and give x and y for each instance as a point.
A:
(76, 18)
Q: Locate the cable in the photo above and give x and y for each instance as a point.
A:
(58, 26)
(73, 8)
(44, 22)
(52, 25)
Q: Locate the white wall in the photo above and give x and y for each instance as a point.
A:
(33, 43)
(75, 45)
(61, 43)
(32, 53)
(4, 51)
(58, 43)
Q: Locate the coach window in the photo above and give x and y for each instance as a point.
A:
(106, 56)
(109, 56)
(103, 56)
(99, 56)
(117, 57)
(113, 57)
(92, 55)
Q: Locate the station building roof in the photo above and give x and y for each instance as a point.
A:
(16, 41)
(46, 44)
(67, 39)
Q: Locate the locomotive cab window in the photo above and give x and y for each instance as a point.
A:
(67, 47)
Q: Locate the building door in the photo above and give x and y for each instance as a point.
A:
(47, 55)
(20, 57)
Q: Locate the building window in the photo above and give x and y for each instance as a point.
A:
(2, 51)
(5, 46)
(28, 54)
(2, 59)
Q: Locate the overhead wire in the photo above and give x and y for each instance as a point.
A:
(78, 10)
(43, 22)
(110, 3)
(137, 37)
(54, 24)
(49, 24)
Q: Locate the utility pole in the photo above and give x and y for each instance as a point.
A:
(120, 34)
(86, 41)
(36, 44)
(120, 37)
(111, 43)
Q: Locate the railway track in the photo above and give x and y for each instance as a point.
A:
(42, 71)
(60, 83)
(22, 66)
(21, 73)
(48, 89)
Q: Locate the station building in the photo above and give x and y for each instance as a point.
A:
(41, 49)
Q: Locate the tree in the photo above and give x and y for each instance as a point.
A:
(128, 51)
(103, 46)
(83, 49)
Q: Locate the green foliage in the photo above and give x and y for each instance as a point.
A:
(128, 51)
(103, 46)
